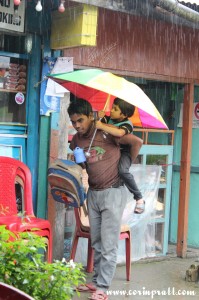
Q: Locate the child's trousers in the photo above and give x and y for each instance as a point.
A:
(127, 177)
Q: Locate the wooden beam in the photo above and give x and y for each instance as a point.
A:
(147, 76)
(58, 149)
(107, 4)
(43, 167)
(185, 170)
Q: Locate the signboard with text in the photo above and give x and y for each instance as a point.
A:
(12, 17)
(195, 115)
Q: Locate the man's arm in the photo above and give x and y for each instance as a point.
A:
(134, 142)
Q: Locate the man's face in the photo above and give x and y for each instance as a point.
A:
(81, 123)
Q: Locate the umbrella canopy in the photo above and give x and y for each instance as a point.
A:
(97, 86)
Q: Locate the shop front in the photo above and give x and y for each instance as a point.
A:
(140, 50)
(13, 97)
(13, 83)
(137, 48)
(112, 53)
(19, 71)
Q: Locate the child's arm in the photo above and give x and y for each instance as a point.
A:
(111, 129)
(135, 144)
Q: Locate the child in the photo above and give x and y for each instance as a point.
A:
(119, 125)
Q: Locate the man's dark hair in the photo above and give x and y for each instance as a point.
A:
(80, 107)
(126, 108)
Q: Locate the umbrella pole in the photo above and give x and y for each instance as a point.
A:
(87, 153)
(107, 102)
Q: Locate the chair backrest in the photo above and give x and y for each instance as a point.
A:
(81, 217)
(10, 293)
(12, 172)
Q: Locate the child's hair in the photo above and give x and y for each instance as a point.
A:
(126, 108)
(79, 106)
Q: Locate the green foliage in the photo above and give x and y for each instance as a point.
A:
(22, 266)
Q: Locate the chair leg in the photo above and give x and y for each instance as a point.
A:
(50, 248)
(74, 245)
(90, 257)
(128, 256)
(48, 254)
(48, 235)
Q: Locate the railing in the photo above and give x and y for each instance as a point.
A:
(145, 134)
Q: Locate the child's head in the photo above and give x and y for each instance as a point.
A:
(126, 109)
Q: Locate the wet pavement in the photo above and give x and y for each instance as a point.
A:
(154, 278)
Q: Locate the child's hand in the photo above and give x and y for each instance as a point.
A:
(101, 114)
(98, 124)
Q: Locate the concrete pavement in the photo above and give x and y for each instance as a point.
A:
(155, 278)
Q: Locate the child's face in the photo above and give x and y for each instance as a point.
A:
(81, 123)
(116, 113)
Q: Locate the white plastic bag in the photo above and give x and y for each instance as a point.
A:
(142, 225)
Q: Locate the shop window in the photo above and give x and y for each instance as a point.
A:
(11, 43)
(13, 82)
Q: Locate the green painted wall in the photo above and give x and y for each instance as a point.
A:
(43, 166)
(168, 98)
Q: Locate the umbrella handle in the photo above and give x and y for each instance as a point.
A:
(94, 134)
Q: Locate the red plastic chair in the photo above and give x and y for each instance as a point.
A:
(12, 173)
(83, 230)
(8, 292)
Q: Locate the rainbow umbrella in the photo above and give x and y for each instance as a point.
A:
(97, 86)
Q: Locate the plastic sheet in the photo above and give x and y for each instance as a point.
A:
(143, 225)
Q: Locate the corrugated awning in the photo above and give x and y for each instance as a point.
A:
(192, 4)
(190, 1)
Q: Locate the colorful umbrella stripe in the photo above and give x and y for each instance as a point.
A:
(95, 86)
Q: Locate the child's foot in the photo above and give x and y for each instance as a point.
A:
(139, 207)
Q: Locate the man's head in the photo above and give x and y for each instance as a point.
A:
(121, 109)
(81, 115)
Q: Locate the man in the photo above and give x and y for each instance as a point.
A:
(106, 196)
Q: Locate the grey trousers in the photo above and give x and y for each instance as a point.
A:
(105, 209)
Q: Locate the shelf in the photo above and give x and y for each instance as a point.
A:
(162, 185)
(15, 55)
(12, 129)
(12, 91)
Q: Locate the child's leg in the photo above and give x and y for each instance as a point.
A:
(128, 178)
